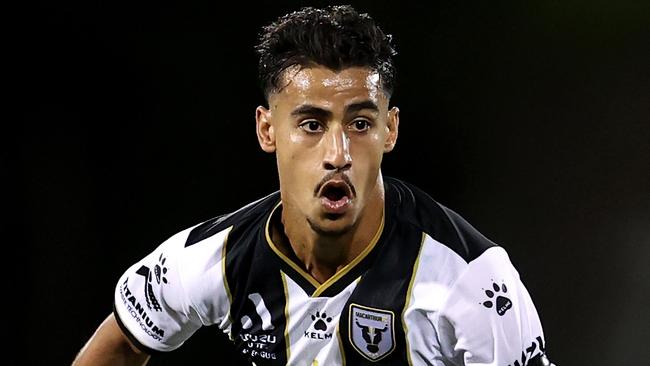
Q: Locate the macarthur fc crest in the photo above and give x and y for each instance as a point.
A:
(372, 331)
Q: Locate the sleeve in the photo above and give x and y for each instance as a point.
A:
(489, 318)
(163, 299)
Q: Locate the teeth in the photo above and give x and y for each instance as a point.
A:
(338, 203)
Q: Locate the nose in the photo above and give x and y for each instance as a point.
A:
(337, 150)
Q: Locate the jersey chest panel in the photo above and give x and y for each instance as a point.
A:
(357, 320)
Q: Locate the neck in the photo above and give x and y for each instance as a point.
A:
(323, 256)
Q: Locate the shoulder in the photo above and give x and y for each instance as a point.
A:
(489, 316)
(477, 303)
(163, 298)
(413, 206)
(252, 214)
(206, 239)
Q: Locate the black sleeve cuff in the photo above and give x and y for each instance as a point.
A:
(540, 360)
(130, 336)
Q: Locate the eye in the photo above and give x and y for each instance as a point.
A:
(311, 126)
(360, 125)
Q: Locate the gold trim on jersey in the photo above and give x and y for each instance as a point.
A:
(225, 279)
(287, 340)
(320, 288)
(277, 251)
(416, 265)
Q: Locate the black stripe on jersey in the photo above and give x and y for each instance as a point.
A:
(258, 301)
(384, 286)
(442, 224)
(130, 336)
(252, 279)
(295, 276)
(354, 273)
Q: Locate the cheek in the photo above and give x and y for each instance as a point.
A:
(300, 147)
(377, 139)
(296, 156)
(369, 149)
(366, 159)
(295, 138)
(293, 148)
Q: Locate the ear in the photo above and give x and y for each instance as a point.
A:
(265, 132)
(392, 126)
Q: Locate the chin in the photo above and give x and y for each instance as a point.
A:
(331, 225)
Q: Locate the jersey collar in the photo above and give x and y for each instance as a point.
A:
(320, 288)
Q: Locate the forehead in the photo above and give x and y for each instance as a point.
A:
(322, 86)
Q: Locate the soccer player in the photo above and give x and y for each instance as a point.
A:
(341, 266)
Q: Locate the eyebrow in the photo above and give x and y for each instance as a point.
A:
(312, 110)
(366, 104)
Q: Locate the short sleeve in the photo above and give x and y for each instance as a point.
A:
(489, 317)
(164, 298)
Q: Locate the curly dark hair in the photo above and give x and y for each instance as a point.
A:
(336, 37)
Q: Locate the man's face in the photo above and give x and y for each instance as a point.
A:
(329, 131)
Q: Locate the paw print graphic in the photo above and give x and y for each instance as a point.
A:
(160, 270)
(502, 302)
(320, 321)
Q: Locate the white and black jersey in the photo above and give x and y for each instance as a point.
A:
(428, 290)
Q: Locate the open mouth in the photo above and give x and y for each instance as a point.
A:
(335, 190)
(334, 193)
(335, 196)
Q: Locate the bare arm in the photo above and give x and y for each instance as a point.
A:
(109, 346)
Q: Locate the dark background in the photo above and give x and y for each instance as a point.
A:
(137, 121)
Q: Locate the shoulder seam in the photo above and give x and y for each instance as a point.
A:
(421, 228)
(456, 231)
